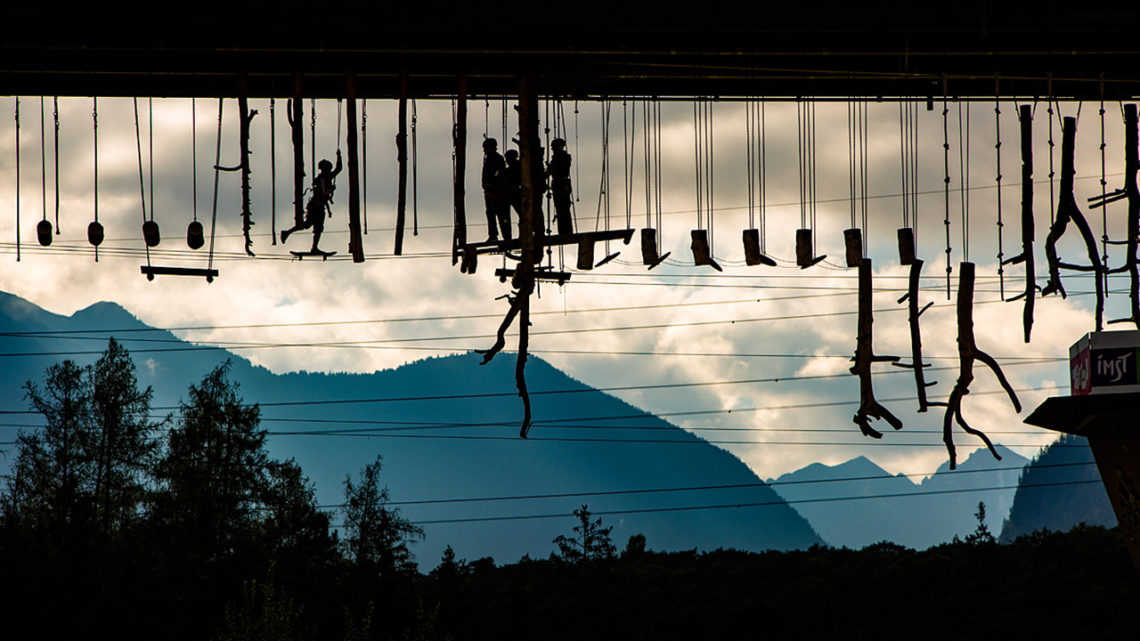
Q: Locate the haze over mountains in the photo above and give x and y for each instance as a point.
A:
(460, 442)
(447, 429)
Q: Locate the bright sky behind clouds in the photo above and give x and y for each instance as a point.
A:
(769, 323)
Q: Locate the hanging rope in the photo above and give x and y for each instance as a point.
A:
(415, 170)
(142, 190)
(1000, 222)
(217, 173)
(964, 177)
(313, 137)
(272, 173)
(628, 142)
(1052, 174)
(55, 156)
(43, 156)
(603, 208)
(150, 151)
(364, 154)
(763, 181)
(17, 179)
(904, 144)
(95, 136)
(1103, 194)
(946, 180)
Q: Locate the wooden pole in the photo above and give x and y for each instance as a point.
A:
(402, 162)
(355, 242)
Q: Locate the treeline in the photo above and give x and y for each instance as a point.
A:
(116, 523)
(120, 524)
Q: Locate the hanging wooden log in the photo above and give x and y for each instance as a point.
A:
(586, 253)
(1067, 211)
(1025, 117)
(907, 252)
(530, 237)
(864, 357)
(355, 240)
(402, 165)
(853, 246)
(968, 352)
(702, 254)
(294, 113)
(1132, 193)
(459, 141)
(805, 255)
(245, 117)
(752, 254)
(914, 313)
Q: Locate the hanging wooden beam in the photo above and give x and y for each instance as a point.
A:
(1025, 117)
(864, 357)
(1067, 211)
(402, 163)
(459, 196)
(355, 240)
(1132, 193)
(967, 352)
(295, 113)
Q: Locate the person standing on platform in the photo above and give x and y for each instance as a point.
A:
(495, 192)
(558, 170)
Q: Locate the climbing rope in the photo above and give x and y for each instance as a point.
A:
(43, 156)
(415, 169)
(964, 176)
(272, 173)
(1103, 194)
(946, 180)
(217, 173)
(997, 179)
(364, 157)
(17, 179)
(55, 156)
(142, 182)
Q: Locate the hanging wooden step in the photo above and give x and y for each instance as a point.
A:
(515, 244)
(805, 255)
(541, 273)
(153, 270)
(853, 243)
(752, 254)
(649, 255)
(586, 253)
(702, 254)
(907, 253)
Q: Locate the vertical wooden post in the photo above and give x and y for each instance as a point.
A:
(402, 161)
(355, 242)
(459, 140)
(530, 234)
(296, 113)
(245, 117)
(1131, 167)
(1027, 226)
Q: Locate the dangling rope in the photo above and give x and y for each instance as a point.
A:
(697, 164)
(55, 156)
(364, 154)
(95, 136)
(1000, 223)
(313, 137)
(647, 152)
(628, 146)
(17, 179)
(415, 170)
(272, 173)
(194, 160)
(142, 182)
(604, 182)
(1049, 103)
(914, 164)
(217, 173)
(964, 177)
(946, 180)
(150, 151)
(864, 178)
(1103, 195)
(904, 144)
(43, 155)
(657, 169)
(763, 181)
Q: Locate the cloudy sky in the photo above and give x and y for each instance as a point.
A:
(675, 324)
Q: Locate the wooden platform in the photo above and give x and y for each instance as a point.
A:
(152, 270)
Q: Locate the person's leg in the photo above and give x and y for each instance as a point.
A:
(492, 224)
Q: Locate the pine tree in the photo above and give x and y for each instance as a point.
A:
(592, 541)
(377, 535)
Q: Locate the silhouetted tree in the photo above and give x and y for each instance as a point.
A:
(981, 534)
(592, 541)
(635, 547)
(377, 535)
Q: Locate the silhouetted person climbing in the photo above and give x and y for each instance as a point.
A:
(558, 170)
(319, 202)
(495, 191)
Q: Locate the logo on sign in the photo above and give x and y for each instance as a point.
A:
(1114, 367)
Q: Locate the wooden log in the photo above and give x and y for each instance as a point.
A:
(355, 240)
(459, 141)
(402, 165)
(968, 352)
(913, 315)
(864, 357)
(1067, 211)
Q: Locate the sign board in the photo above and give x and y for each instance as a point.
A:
(1105, 363)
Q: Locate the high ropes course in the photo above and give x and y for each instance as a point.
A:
(630, 61)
